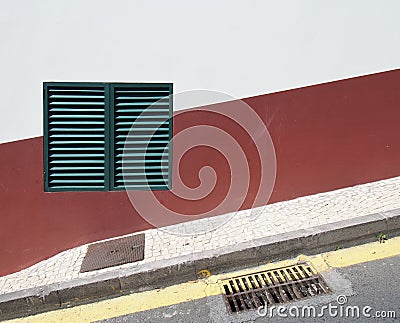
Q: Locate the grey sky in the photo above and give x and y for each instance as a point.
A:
(242, 48)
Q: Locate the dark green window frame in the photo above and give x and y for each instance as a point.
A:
(107, 92)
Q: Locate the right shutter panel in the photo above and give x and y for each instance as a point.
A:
(76, 137)
(142, 130)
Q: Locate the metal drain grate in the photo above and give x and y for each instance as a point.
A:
(113, 252)
(276, 286)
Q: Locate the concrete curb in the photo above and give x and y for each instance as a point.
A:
(260, 251)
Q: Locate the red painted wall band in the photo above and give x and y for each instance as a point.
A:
(326, 137)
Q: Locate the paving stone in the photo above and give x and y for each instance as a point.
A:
(207, 234)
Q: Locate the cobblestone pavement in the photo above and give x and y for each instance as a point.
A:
(213, 234)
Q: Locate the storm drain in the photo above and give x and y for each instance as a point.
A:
(276, 286)
(113, 253)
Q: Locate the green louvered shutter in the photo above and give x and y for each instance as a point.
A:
(142, 130)
(75, 141)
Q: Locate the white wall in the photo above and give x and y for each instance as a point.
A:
(243, 48)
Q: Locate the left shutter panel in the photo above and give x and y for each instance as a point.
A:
(76, 138)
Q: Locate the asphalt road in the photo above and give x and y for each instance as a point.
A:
(372, 289)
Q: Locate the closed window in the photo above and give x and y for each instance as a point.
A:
(107, 136)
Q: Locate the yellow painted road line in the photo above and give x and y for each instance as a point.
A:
(209, 287)
(363, 253)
